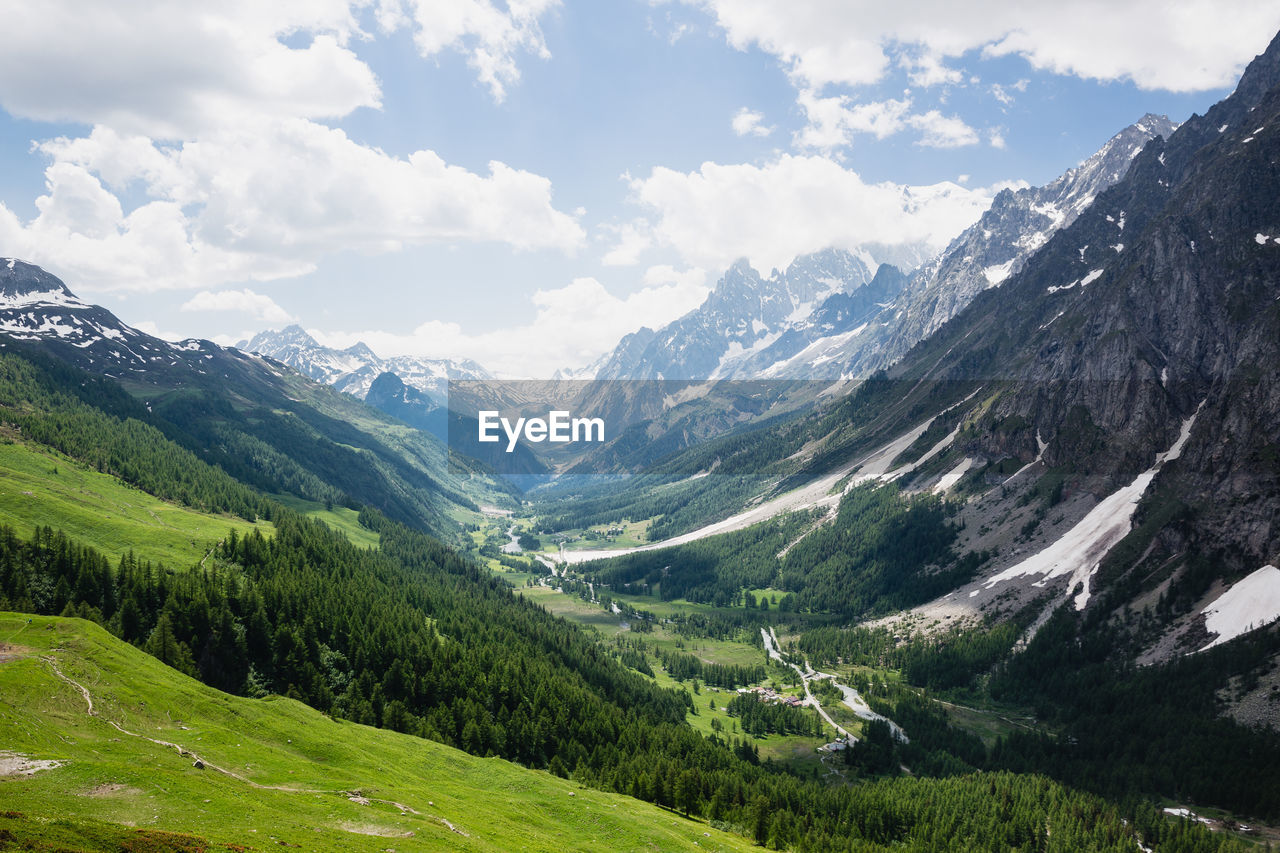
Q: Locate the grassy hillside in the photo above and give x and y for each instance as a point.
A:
(275, 771)
(39, 486)
(340, 518)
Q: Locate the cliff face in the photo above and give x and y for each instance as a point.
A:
(1160, 303)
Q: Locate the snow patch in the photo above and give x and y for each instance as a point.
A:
(953, 476)
(1055, 316)
(1091, 277)
(34, 298)
(999, 272)
(1250, 603)
(1261, 239)
(1080, 550)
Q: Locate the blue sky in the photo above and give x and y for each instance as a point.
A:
(523, 182)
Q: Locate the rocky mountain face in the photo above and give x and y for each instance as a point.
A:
(818, 346)
(1128, 370)
(355, 368)
(743, 314)
(36, 306)
(1106, 421)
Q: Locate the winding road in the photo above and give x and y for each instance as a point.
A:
(852, 699)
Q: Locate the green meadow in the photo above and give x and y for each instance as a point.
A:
(41, 487)
(274, 772)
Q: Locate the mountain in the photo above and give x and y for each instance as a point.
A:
(1063, 503)
(254, 418)
(743, 314)
(817, 345)
(37, 306)
(355, 368)
(1077, 473)
(1109, 415)
(832, 313)
(1016, 225)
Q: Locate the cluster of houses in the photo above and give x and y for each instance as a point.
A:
(768, 694)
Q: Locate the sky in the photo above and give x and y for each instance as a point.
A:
(524, 182)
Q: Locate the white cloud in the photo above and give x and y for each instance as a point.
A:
(747, 122)
(264, 200)
(150, 328)
(770, 213)
(489, 36)
(1004, 94)
(630, 239)
(928, 69)
(939, 131)
(996, 137)
(169, 69)
(572, 326)
(256, 305)
(1189, 46)
(203, 119)
(833, 121)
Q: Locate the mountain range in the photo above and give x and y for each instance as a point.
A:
(1014, 569)
(355, 368)
(1107, 415)
(839, 314)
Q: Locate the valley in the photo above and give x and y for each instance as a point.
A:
(960, 532)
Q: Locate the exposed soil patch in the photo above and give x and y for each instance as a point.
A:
(10, 652)
(112, 789)
(17, 764)
(374, 829)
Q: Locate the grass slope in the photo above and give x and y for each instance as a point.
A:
(276, 772)
(340, 518)
(39, 486)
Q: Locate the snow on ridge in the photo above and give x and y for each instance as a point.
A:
(46, 326)
(1250, 603)
(34, 298)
